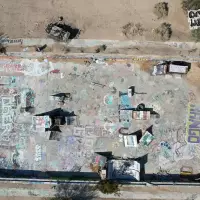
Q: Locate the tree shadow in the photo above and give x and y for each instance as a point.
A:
(150, 129)
(138, 134)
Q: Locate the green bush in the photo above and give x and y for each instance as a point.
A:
(196, 35)
(190, 5)
(161, 10)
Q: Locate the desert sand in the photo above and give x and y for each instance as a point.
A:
(97, 19)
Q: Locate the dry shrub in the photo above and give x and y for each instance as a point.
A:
(164, 31)
(131, 30)
(94, 168)
(108, 187)
(74, 191)
(67, 50)
(2, 46)
(102, 48)
(3, 49)
(161, 10)
(82, 50)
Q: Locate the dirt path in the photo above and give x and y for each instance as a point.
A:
(137, 193)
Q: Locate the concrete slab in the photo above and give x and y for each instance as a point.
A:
(95, 128)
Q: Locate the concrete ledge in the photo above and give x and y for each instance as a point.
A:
(116, 57)
(109, 43)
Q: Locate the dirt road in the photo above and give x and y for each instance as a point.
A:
(29, 191)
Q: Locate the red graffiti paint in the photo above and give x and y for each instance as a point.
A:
(2, 155)
(13, 67)
(55, 71)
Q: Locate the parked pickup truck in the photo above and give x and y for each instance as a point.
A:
(171, 67)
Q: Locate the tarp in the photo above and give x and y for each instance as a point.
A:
(178, 69)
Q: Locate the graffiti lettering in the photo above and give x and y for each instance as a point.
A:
(2, 162)
(194, 19)
(79, 131)
(38, 153)
(193, 124)
(193, 139)
(15, 41)
(12, 41)
(13, 67)
(15, 160)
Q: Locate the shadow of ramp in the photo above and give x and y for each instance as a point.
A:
(56, 175)
(142, 160)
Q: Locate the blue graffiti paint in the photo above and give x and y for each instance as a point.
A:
(193, 124)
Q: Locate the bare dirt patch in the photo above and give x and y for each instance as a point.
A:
(147, 65)
(98, 19)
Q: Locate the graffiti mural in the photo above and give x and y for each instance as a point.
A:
(166, 150)
(36, 68)
(193, 124)
(193, 19)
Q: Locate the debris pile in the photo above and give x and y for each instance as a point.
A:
(62, 32)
